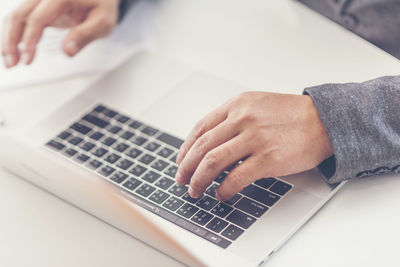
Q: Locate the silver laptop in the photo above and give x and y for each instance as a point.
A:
(111, 151)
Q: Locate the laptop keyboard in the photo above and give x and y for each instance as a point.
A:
(141, 160)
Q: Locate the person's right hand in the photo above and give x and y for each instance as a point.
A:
(88, 19)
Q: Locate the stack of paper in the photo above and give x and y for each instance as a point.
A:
(134, 33)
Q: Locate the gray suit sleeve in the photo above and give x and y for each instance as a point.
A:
(363, 124)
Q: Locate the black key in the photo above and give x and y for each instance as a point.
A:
(81, 128)
(188, 198)
(121, 147)
(265, 182)
(132, 183)
(221, 210)
(135, 124)
(97, 136)
(151, 176)
(280, 188)
(207, 203)
(147, 159)
(159, 197)
(140, 140)
(212, 190)
(173, 203)
(82, 158)
(170, 140)
(100, 108)
(165, 152)
(70, 152)
(173, 159)
(119, 177)
(127, 135)
(260, 195)
(241, 219)
(96, 121)
(232, 232)
(216, 225)
(55, 145)
(202, 217)
(100, 152)
(178, 190)
(152, 146)
(112, 158)
(110, 113)
(114, 129)
(106, 171)
(109, 141)
(75, 140)
(233, 199)
(64, 135)
(138, 170)
(145, 190)
(94, 164)
(221, 177)
(87, 146)
(164, 183)
(251, 207)
(149, 131)
(171, 171)
(159, 165)
(187, 210)
(133, 153)
(122, 119)
(124, 164)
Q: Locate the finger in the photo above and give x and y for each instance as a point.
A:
(215, 162)
(250, 170)
(13, 28)
(207, 123)
(42, 16)
(205, 143)
(99, 23)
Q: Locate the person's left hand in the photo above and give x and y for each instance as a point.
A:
(277, 135)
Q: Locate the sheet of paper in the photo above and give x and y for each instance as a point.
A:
(133, 34)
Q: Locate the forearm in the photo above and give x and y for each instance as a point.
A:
(363, 124)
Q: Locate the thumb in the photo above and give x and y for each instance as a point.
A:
(99, 23)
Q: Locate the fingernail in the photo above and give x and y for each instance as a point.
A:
(25, 58)
(191, 192)
(217, 196)
(178, 177)
(9, 60)
(72, 47)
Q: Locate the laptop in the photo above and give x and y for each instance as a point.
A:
(111, 151)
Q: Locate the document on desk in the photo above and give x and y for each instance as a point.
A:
(133, 34)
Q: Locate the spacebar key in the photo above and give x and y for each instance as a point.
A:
(170, 140)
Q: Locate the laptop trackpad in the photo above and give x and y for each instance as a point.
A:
(177, 111)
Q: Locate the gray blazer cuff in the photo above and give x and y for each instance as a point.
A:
(363, 124)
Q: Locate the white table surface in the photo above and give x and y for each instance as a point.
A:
(358, 227)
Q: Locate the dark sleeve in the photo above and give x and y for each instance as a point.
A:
(124, 5)
(363, 124)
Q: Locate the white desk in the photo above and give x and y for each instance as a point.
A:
(233, 41)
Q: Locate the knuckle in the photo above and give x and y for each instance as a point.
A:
(201, 145)
(275, 157)
(199, 128)
(211, 161)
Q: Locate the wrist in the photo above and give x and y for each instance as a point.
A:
(318, 133)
